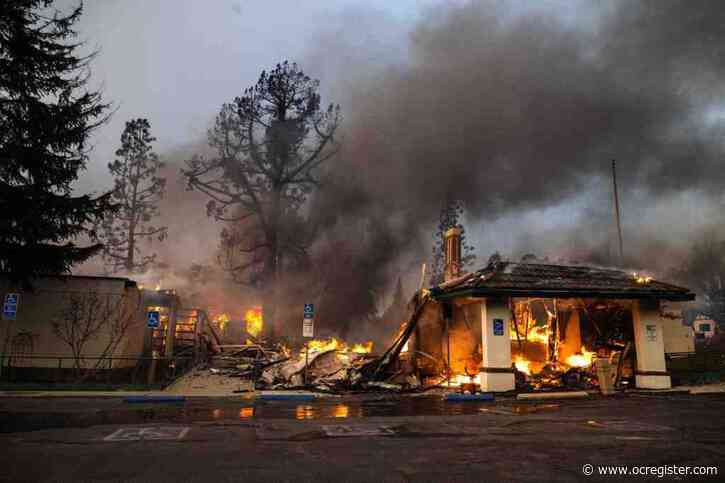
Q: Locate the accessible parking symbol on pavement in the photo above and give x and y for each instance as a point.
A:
(159, 433)
(339, 431)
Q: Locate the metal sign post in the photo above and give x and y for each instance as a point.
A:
(307, 353)
(308, 331)
(10, 312)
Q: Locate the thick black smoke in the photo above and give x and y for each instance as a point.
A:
(526, 112)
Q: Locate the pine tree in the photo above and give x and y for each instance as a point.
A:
(138, 190)
(269, 144)
(46, 116)
(450, 216)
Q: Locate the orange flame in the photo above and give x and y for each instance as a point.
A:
(254, 321)
(522, 365)
(641, 279)
(365, 348)
(333, 344)
(221, 320)
(458, 379)
(584, 359)
(536, 334)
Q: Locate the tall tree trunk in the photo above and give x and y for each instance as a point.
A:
(131, 246)
(132, 224)
(271, 267)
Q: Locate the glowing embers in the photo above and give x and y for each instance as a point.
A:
(254, 321)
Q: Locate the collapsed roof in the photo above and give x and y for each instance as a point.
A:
(503, 278)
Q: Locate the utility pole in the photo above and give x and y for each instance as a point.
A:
(616, 212)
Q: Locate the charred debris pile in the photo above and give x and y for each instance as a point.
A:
(329, 366)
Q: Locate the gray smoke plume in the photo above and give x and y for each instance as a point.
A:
(519, 116)
(521, 113)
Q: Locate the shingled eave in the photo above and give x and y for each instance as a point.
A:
(673, 296)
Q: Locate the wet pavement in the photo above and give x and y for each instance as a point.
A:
(379, 438)
(26, 415)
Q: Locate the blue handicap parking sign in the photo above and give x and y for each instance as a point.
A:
(10, 306)
(497, 326)
(309, 311)
(152, 319)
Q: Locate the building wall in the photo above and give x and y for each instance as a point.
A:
(678, 337)
(32, 333)
(650, 346)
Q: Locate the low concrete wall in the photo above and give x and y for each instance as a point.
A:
(29, 338)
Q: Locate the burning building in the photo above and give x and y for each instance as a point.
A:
(533, 321)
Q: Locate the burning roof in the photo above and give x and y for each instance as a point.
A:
(542, 280)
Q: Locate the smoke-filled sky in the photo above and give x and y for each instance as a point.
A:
(516, 107)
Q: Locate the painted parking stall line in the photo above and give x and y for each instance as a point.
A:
(155, 433)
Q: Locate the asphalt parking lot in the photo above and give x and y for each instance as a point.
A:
(381, 438)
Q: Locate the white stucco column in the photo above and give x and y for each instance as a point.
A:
(496, 372)
(651, 371)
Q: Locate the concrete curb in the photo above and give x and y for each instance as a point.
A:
(553, 395)
(114, 394)
(154, 399)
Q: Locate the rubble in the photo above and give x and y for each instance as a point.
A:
(330, 366)
(552, 378)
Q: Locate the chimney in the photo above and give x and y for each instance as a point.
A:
(452, 268)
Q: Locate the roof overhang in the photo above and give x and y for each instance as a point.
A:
(563, 294)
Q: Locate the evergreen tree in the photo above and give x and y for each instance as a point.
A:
(138, 190)
(450, 217)
(46, 116)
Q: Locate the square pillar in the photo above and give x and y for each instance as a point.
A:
(496, 372)
(651, 371)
